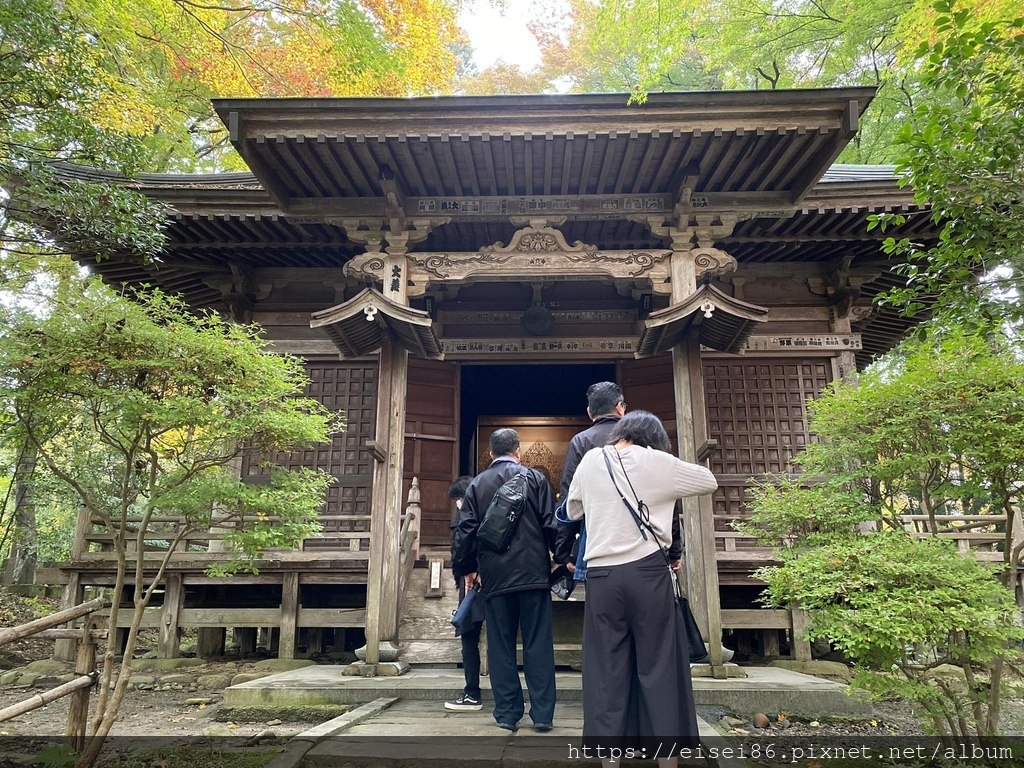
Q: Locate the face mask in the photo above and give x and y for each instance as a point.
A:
(458, 503)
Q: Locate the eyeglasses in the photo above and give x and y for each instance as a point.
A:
(623, 404)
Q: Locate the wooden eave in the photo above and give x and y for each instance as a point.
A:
(730, 323)
(314, 155)
(358, 326)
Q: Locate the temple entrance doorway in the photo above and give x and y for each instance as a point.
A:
(546, 404)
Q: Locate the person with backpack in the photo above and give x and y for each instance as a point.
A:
(504, 535)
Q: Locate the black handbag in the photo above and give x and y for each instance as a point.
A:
(562, 582)
(502, 516)
(698, 650)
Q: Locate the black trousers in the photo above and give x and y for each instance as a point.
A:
(637, 690)
(471, 660)
(507, 614)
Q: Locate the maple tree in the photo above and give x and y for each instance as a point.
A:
(637, 47)
(165, 59)
(503, 78)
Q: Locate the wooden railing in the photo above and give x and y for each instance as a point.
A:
(408, 537)
(85, 667)
(966, 530)
(981, 534)
(95, 540)
(738, 554)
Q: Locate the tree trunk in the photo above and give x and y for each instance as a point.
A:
(25, 547)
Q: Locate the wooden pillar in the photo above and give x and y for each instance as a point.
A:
(801, 646)
(692, 432)
(770, 643)
(698, 519)
(78, 710)
(314, 641)
(73, 594)
(705, 508)
(246, 639)
(289, 615)
(383, 577)
(210, 642)
(170, 634)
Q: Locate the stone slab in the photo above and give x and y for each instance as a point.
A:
(765, 689)
(419, 733)
(344, 722)
(423, 752)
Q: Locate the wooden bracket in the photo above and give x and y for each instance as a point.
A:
(705, 450)
(377, 451)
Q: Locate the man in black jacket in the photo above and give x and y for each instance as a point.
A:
(605, 406)
(514, 585)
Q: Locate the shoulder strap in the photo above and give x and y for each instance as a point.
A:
(643, 526)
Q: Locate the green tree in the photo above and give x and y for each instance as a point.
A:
(963, 154)
(142, 410)
(51, 87)
(639, 47)
(937, 433)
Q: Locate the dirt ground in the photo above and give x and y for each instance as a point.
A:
(148, 713)
(144, 712)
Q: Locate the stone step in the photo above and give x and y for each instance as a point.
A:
(422, 733)
(766, 689)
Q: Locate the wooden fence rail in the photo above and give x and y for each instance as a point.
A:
(85, 667)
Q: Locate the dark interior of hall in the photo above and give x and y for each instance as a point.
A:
(524, 390)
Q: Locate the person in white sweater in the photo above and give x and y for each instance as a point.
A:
(637, 691)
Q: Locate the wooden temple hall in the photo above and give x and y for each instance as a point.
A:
(447, 266)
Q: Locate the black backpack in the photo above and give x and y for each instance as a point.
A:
(502, 516)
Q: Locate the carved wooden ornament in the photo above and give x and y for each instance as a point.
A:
(533, 252)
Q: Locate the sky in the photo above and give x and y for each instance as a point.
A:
(496, 34)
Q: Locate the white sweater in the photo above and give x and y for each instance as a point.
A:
(659, 478)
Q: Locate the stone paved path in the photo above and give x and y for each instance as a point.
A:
(424, 734)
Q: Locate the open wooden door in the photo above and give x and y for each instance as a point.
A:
(431, 443)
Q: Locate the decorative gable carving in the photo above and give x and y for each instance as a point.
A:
(533, 253)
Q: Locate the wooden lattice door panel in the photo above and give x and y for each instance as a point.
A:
(351, 388)
(431, 443)
(648, 385)
(757, 411)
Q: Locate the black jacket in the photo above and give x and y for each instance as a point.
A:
(595, 437)
(526, 564)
